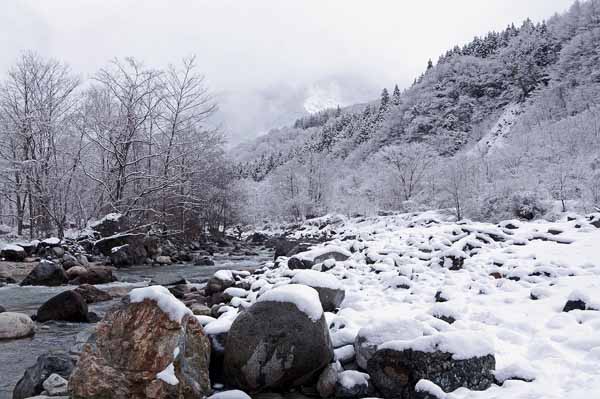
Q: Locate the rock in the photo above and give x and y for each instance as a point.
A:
(369, 338)
(83, 260)
(330, 290)
(152, 246)
(200, 310)
(396, 372)
(95, 275)
(66, 306)
(31, 383)
(55, 385)
(58, 252)
(111, 224)
(352, 384)
(69, 261)
(92, 294)
(6, 280)
(285, 247)
(13, 253)
(134, 350)
(75, 271)
(123, 249)
(46, 273)
(258, 238)
(219, 282)
(327, 381)
(165, 280)
(275, 345)
(2, 309)
(163, 260)
(203, 261)
(576, 304)
(15, 325)
(306, 260)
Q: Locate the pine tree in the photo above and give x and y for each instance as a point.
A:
(429, 64)
(396, 96)
(385, 99)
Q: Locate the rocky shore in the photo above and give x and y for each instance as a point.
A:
(398, 306)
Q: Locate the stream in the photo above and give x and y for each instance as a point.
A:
(17, 355)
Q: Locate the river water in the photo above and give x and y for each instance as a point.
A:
(17, 355)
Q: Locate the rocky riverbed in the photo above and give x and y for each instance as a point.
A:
(414, 306)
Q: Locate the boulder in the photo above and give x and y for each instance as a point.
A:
(95, 275)
(330, 290)
(285, 247)
(2, 309)
(203, 261)
(328, 380)
(274, 344)
(123, 249)
(397, 367)
(150, 347)
(91, 294)
(55, 385)
(69, 261)
(163, 260)
(219, 282)
(369, 338)
(31, 383)
(152, 246)
(58, 252)
(306, 260)
(258, 238)
(13, 253)
(352, 384)
(15, 325)
(111, 224)
(46, 273)
(75, 271)
(66, 306)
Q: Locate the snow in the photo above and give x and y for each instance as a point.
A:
(236, 292)
(461, 344)
(429, 387)
(168, 375)
(320, 251)
(166, 301)
(234, 394)
(113, 217)
(351, 378)
(305, 298)
(224, 275)
(51, 241)
(220, 325)
(494, 314)
(13, 247)
(314, 278)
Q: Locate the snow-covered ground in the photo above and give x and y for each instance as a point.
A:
(507, 296)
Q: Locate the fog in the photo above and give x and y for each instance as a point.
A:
(263, 59)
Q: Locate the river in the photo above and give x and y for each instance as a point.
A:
(17, 355)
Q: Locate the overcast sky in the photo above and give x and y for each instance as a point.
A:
(263, 58)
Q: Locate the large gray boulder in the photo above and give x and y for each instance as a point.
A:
(465, 362)
(46, 273)
(93, 275)
(66, 306)
(15, 325)
(281, 341)
(31, 383)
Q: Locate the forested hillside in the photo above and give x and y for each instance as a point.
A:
(508, 124)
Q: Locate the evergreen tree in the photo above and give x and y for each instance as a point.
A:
(396, 96)
(429, 64)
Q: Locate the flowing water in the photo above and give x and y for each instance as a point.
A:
(17, 355)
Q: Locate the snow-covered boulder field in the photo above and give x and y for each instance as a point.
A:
(432, 307)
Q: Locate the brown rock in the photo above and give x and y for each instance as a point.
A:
(133, 345)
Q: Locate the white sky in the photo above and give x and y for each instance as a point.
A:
(256, 52)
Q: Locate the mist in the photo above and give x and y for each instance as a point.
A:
(267, 62)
